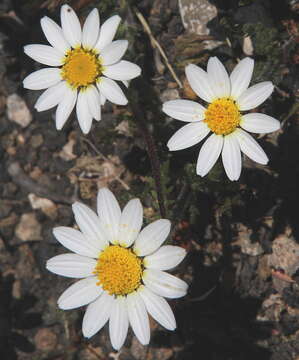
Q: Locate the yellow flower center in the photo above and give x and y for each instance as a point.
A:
(119, 270)
(81, 67)
(222, 116)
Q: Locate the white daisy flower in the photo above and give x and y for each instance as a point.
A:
(228, 98)
(122, 269)
(84, 64)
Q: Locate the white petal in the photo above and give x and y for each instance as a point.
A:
(83, 113)
(259, 123)
(255, 95)
(164, 284)
(54, 34)
(138, 317)
(188, 135)
(109, 213)
(165, 258)
(94, 102)
(42, 79)
(123, 70)
(126, 83)
(90, 225)
(112, 91)
(70, 26)
(51, 97)
(65, 107)
(250, 147)
(158, 308)
(151, 237)
(103, 99)
(113, 52)
(91, 29)
(241, 76)
(209, 153)
(218, 77)
(199, 82)
(71, 265)
(118, 322)
(44, 54)
(97, 314)
(75, 241)
(107, 32)
(80, 293)
(130, 222)
(184, 110)
(231, 157)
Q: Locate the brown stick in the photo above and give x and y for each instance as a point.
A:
(152, 153)
(25, 182)
(156, 44)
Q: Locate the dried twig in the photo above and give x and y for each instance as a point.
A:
(155, 44)
(94, 352)
(282, 276)
(126, 186)
(51, 4)
(204, 296)
(25, 182)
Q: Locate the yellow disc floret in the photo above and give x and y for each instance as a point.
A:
(119, 270)
(222, 116)
(81, 67)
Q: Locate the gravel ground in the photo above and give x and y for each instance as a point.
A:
(241, 238)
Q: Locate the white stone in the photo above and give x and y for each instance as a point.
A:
(17, 110)
(196, 14)
(28, 228)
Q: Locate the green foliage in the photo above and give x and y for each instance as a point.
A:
(266, 46)
(167, 189)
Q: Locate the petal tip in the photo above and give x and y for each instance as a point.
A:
(103, 190)
(59, 127)
(65, 7)
(76, 205)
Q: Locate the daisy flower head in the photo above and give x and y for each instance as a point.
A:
(83, 66)
(121, 267)
(228, 97)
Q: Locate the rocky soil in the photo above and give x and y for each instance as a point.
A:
(241, 238)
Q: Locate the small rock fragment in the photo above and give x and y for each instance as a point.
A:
(67, 151)
(123, 128)
(284, 259)
(17, 110)
(196, 14)
(45, 339)
(5, 208)
(137, 350)
(36, 173)
(243, 239)
(45, 205)
(247, 46)
(285, 254)
(169, 94)
(36, 141)
(9, 220)
(26, 267)
(28, 228)
(161, 353)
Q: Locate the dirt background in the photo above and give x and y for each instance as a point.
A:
(241, 238)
